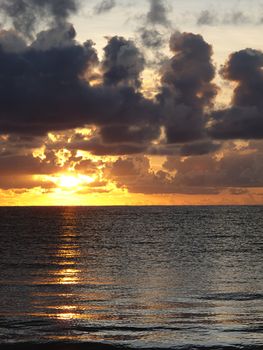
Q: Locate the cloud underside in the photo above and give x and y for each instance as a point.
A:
(51, 83)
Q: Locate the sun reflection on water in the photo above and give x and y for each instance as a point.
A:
(68, 252)
(68, 276)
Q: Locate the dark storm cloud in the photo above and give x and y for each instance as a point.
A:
(104, 6)
(123, 63)
(25, 14)
(244, 120)
(44, 87)
(237, 123)
(41, 90)
(187, 88)
(245, 68)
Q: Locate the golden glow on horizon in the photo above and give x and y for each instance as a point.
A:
(36, 197)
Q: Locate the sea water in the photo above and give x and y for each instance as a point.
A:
(162, 277)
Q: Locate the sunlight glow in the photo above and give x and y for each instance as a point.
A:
(72, 181)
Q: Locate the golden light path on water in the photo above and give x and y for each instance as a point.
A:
(71, 275)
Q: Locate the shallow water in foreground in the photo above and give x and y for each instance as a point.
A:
(138, 276)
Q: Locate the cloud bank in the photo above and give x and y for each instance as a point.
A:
(51, 83)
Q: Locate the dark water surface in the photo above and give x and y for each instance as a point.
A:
(140, 276)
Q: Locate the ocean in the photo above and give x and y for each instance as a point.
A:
(177, 277)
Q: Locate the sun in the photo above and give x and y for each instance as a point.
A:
(72, 182)
(67, 181)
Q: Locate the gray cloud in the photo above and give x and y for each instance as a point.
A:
(136, 175)
(25, 165)
(57, 37)
(47, 86)
(104, 6)
(199, 148)
(236, 18)
(46, 92)
(123, 63)
(206, 17)
(151, 38)
(23, 183)
(154, 31)
(210, 18)
(244, 120)
(158, 13)
(187, 87)
(26, 14)
(234, 170)
(97, 146)
(11, 41)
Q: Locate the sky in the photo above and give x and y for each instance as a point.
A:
(120, 102)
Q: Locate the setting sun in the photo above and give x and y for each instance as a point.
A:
(72, 181)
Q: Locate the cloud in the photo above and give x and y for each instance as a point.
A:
(26, 14)
(234, 170)
(187, 88)
(11, 41)
(136, 175)
(206, 17)
(199, 148)
(98, 147)
(210, 18)
(25, 165)
(158, 13)
(41, 90)
(47, 90)
(47, 86)
(49, 82)
(244, 120)
(236, 18)
(57, 37)
(151, 38)
(21, 182)
(104, 6)
(123, 63)
(155, 29)
(237, 170)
